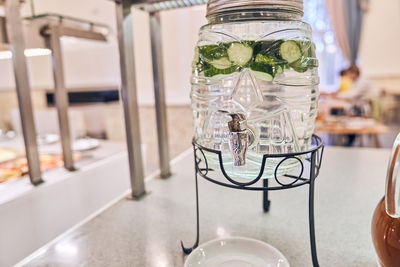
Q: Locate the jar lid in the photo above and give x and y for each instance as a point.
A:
(219, 6)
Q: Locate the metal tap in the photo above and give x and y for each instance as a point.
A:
(240, 138)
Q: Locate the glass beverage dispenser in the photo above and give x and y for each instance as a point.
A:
(254, 84)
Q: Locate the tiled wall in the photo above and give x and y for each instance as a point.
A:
(8, 102)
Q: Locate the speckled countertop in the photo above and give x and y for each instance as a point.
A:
(148, 232)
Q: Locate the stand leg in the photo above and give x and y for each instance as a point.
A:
(189, 250)
(311, 211)
(266, 201)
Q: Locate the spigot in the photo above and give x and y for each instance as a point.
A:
(240, 138)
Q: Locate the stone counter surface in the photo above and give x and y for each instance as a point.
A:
(148, 232)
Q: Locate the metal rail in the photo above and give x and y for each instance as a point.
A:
(52, 28)
(152, 6)
(159, 94)
(60, 94)
(129, 97)
(125, 39)
(19, 36)
(17, 46)
(128, 83)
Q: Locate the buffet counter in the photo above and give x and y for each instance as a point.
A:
(148, 232)
(31, 216)
(15, 186)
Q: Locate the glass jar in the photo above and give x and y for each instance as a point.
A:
(254, 84)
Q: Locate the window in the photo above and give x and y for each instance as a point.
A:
(330, 57)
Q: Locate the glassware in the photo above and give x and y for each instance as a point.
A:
(254, 84)
(386, 219)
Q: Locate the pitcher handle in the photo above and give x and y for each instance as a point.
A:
(392, 197)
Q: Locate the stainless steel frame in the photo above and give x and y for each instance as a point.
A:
(60, 94)
(129, 97)
(159, 94)
(152, 6)
(32, 30)
(128, 80)
(17, 46)
(52, 28)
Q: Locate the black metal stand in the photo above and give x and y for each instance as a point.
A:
(313, 157)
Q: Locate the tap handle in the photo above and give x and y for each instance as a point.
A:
(241, 137)
(238, 122)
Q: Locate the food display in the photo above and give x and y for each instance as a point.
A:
(7, 154)
(19, 167)
(13, 163)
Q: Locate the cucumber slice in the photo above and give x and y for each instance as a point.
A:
(262, 46)
(308, 60)
(261, 58)
(196, 59)
(220, 76)
(262, 71)
(240, 53)
(208, 53)
(266, 58)
(300, 69)
(222, 63)
(290, 51)
(299, 66)
(307, 48)
(271, 49)
(311, 51)
(210, 70)
(278, 70)
(197, 68)
(263, 76)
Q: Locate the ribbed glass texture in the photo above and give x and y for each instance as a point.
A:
(276, 89)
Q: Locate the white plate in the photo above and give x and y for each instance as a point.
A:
(47, 139)
(236, 252)
(85, 144)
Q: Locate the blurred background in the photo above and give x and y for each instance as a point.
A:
(92, 77)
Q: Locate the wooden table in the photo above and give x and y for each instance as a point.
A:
(340, 126)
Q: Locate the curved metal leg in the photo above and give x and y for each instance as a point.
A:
(185, 249)
(266, 201)
(315, 165)
(311, 211)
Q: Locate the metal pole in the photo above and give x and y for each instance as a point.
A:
(60, 94)
(159, 94)
(129, 97)
(17, 46)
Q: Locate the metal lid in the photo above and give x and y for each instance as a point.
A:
(219, 6)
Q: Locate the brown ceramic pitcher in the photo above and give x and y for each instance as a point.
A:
(386, 220)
